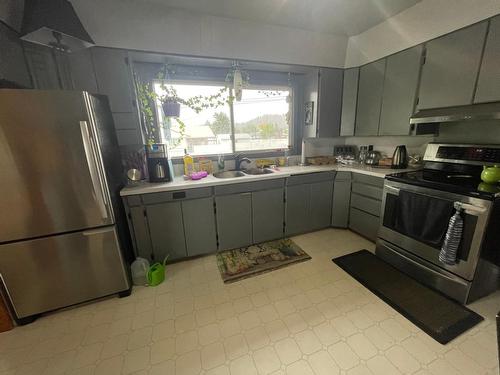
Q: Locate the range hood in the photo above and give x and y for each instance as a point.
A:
(475, 112)
(54, 23)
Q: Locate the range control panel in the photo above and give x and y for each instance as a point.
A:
(485, 155)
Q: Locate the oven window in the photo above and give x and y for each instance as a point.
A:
(426, 219)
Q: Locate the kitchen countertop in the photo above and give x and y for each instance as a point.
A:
(179, 183)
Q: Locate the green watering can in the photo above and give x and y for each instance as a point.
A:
(491, 175)
(156, 273)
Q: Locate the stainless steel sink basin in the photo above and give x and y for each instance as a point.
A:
(229, 174)
(258, 171)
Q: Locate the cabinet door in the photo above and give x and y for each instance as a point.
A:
(140, 232)
(371, 84)
(488, 84)
(320, 207)
(167, 230)
(297, 208)
(400, 90)
(114, 78)
(330, 102)
(267, 215)
(364, 223)
(341, 203)
(450, 69)
(199, 226)
(234, 220)
(349, 100)
(82, 70)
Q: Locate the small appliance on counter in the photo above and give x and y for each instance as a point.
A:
(400, 158)
(159, 165)
(372, 158)
(345, 154)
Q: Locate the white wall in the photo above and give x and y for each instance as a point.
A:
(424, 21)
(142, 25)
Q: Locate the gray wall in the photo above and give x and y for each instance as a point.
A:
(13, 65)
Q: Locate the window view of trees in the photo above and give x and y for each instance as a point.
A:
(261, 122)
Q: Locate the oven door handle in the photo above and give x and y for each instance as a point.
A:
(392, 189)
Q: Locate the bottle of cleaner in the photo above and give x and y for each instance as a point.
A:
(188, 163)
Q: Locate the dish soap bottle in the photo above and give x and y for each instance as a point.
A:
(188, 164)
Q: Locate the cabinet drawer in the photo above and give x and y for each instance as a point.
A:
(176, 195)
(364, 223)
(133, 200)
(370, 180)
(249, 187)
(367, 190)
(370, 205)
(310, 178)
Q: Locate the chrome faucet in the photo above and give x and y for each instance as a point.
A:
(238, 159)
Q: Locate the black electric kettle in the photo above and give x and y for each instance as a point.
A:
(400, 158)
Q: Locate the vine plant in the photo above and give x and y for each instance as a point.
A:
(148, 98)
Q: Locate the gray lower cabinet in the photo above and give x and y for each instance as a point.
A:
(320, 206)
(308, 202)
(139, 231)
(364, 223)
(451, 66)
(371, 85)
(488, 84)
(167, 230)
(341, 200)
(400, 91)
(234, 220)
(297, 208)
(199, 226)
(349, 101)
(267, 215)
(365, 205)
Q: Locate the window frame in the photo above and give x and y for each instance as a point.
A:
(252, 153)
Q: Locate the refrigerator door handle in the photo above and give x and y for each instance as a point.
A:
(93, 170)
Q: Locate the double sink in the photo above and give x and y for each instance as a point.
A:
(243, 173)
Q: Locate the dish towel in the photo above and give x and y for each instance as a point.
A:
(448, 253)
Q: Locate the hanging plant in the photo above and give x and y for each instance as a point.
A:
(171, 105)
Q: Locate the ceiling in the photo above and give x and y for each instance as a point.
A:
(341, 17)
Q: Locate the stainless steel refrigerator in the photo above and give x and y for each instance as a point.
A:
(63, 238)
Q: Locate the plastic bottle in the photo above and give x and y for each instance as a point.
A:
(139, 269)
(188, 163)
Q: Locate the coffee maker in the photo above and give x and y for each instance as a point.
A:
(159, 165)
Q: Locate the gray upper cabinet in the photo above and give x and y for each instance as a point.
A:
(234, 220)
(451, 67)
(320, 205)
(267, 215)
(488, 85)
(199, 226)
(82, 70)
(400, 90)
(114, 78)
(349, 101)
(329, 102)
(371, 85)
(167, 230)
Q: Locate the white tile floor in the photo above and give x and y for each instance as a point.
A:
(309, 318)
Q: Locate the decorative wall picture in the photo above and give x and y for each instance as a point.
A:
(309, 113)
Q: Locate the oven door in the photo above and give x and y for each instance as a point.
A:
(415, 219)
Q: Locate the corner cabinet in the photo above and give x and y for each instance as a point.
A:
(400, 91)
(349, 101)
(450, 68)
(308, 202)
(488, 84)
(329, 102)
(341, 200)
(371, 86)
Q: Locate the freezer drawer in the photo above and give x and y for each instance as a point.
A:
(53, 272)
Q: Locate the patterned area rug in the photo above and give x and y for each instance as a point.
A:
(249, 261)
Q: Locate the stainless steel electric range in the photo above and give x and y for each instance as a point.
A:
(417, 207)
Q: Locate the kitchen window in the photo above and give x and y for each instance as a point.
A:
(259, 122)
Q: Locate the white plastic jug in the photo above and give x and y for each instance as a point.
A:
(139, 268)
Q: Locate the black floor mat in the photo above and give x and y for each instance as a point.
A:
(440, 317)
